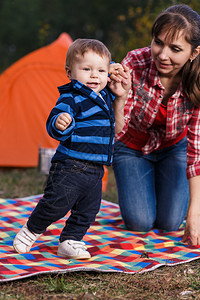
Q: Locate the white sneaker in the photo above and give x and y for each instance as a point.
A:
(73, 249)
(24, 240)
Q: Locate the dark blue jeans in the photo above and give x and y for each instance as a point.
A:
(72, 185)
(152, 189)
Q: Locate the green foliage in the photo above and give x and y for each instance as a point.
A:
(27, 25)
(21, 182)
(57, 285)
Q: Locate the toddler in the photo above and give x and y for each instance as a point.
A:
(83, 122)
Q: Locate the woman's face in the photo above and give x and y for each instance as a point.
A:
(170, 55)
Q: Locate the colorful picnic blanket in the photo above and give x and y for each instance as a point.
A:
(112, 246)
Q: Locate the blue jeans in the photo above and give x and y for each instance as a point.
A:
(152, 189)
(72, 185)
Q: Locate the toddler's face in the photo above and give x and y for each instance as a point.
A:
(91, 69)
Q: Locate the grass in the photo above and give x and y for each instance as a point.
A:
(177, 282)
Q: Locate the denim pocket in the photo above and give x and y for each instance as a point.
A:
(73, 166)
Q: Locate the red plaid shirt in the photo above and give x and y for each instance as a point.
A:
(142, 106)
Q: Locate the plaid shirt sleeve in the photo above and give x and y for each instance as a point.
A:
(193, 151)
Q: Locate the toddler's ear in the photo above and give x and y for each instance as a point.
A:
(68, 71)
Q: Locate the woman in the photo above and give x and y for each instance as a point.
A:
(157, 153)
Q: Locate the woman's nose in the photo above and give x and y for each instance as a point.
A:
(164, 53)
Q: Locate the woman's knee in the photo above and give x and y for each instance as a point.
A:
(170, 224)
(139, 224)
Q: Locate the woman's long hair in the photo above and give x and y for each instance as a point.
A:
(173, 20)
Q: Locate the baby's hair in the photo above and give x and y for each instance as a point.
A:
(81, 46)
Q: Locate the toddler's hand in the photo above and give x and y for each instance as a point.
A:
(118, 73)
(120, 88)
(63, 121)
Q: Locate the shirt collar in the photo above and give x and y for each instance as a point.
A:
(153, 75)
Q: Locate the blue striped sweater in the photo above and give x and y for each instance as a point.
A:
(90, 135)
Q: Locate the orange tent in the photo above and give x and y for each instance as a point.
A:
(28, 91)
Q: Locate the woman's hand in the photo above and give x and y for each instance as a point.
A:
(192, 230)
(118, 73)
(192, 227)
(120, 83)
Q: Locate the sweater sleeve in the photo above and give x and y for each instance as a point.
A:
(65, 104)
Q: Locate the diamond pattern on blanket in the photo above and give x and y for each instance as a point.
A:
(113, 248)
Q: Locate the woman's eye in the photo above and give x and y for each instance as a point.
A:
(176, 49)
(157, 41)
